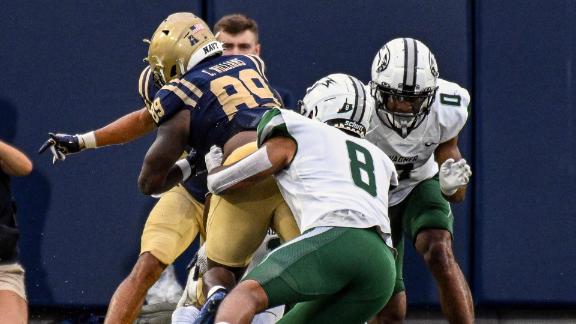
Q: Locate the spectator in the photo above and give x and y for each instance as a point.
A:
(239, 34)
(13, 302)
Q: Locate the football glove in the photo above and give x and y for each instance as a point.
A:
(61, 145)
(454, 175)
(208, 311)
(213, 158)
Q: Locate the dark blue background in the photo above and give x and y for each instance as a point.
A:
(73, 66)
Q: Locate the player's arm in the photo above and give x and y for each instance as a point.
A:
(13, 162)
(274, 155)
(159, 172)
(123, 130)
(454, 171)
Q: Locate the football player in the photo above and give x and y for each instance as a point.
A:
(418, 119)
(208, 99)
(175, 220)
(336, 183)
(172, 224)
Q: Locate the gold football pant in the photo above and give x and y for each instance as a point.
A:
(238, 221)
(172, 225)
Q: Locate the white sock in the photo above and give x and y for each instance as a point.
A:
(185, 315)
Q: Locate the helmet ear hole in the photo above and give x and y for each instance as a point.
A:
(166, 32)
(173, 71)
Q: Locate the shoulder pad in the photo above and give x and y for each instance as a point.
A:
(452, 108)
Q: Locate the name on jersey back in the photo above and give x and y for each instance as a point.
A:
(224, 66)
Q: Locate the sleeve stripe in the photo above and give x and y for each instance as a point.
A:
(259, 64)
(173, 87)
(191, 87)
(144, 84)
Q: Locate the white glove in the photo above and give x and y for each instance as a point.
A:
(213, 158)
(454, 175)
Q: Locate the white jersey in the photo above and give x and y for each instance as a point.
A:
(334, 179)
(414, 155)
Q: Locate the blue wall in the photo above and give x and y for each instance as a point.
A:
(525, 176)
(72, 66)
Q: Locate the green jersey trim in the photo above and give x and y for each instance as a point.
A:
(271, 125)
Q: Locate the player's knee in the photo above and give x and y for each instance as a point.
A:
(439, 256)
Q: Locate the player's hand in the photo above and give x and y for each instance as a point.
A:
(454, 175)
(213, 158)
(61, 145)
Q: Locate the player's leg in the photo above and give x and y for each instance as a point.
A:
(373, 271)
(237, 224)
(435, 246)
(243, 302)
(128, 298)
(395, 310)
(431, 223)
(324, 265)
(238, 221)
(13, 303)
(284, 223)
(171, 227)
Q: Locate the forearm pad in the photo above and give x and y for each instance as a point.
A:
(242, 170)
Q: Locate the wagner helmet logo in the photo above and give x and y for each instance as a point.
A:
(433, 66)
(383, 59)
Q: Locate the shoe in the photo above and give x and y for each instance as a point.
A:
(208, 311)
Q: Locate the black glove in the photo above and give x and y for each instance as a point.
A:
(61, 145)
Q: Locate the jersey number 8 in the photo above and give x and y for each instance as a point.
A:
(357, 166)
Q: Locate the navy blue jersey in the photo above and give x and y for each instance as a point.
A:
(147, 88)
(225, 95)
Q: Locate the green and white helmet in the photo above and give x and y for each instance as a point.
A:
(404, 70)
(339, 100)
